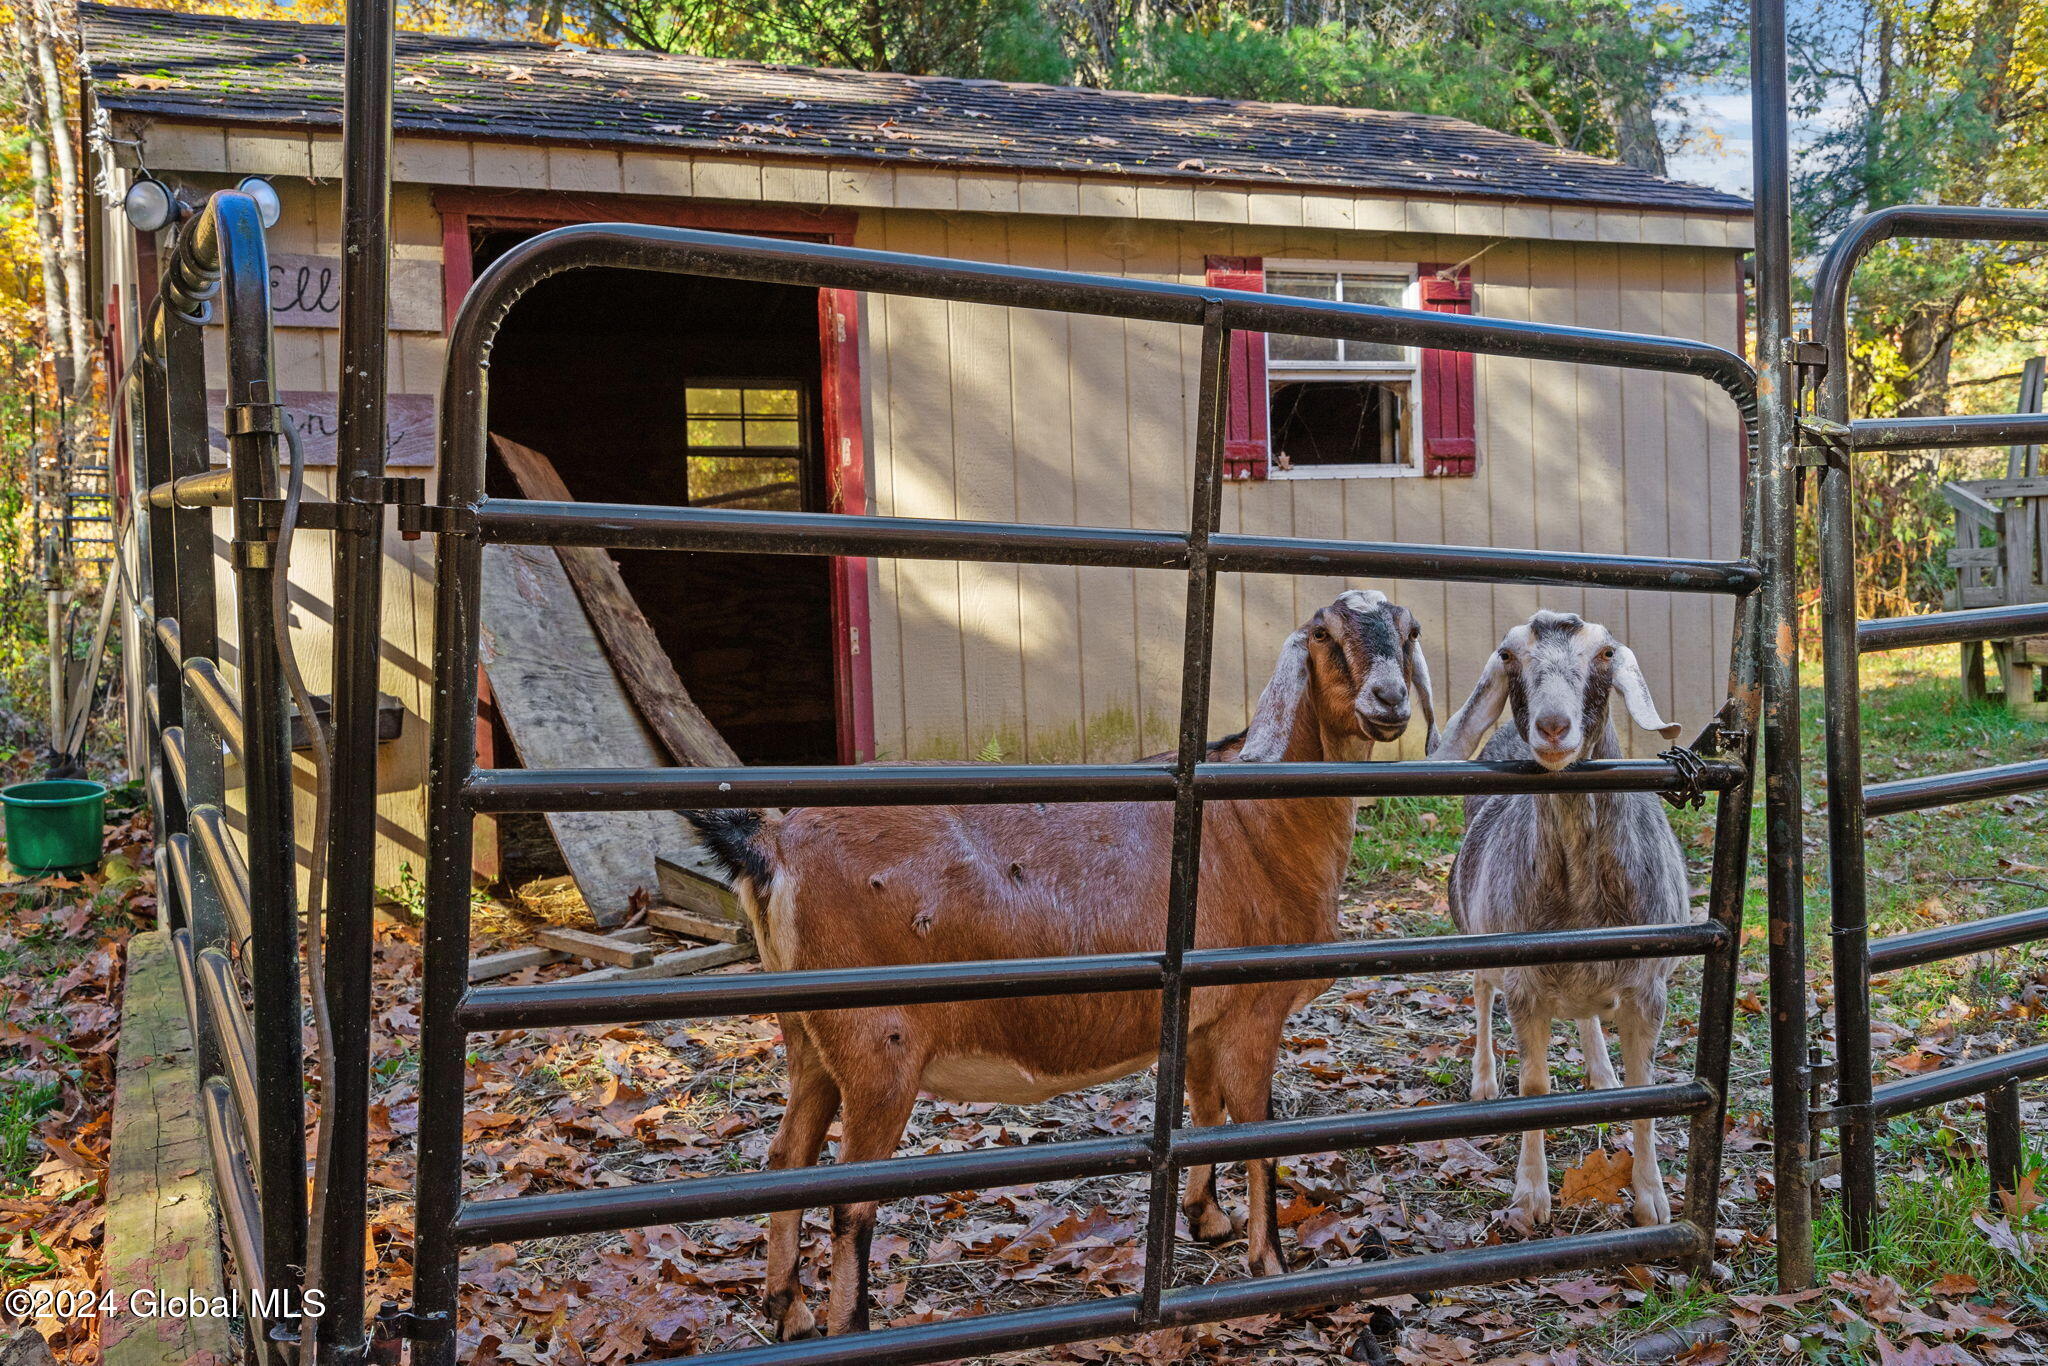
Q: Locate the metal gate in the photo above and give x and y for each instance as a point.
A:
(453, 1010)
(232, 915)
(1830, 444)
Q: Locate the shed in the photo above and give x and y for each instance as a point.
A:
(658, 390)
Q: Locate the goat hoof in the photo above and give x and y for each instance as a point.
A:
(1211, 1225)
(1268, 1263)
(797, 1325)
(1487, 1089)
(1529, 1210)
(1653, 1206)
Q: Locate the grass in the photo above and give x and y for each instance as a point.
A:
(23, 1104)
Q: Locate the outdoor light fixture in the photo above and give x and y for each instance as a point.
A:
(150, 205)
(268, 205)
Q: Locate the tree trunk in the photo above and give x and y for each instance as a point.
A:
(21, 54)
(77, 338)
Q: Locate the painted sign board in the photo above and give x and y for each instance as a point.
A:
(409, 423)
(305, 291)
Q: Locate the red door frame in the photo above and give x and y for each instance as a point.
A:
(839, 379)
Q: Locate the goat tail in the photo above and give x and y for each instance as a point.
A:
(742, 843)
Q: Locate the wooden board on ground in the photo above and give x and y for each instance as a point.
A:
(597, 948)
(159, 1231)
(676, 963)
(565, 707)
(698, 926)
(700, 888)
(508, 961)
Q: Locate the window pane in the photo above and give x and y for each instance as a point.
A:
(713, 402)
(704, 431)
(777, 435)
(772, 483)
(1326, 422)
(771, 402)
(1383, 291)
(1301, 285)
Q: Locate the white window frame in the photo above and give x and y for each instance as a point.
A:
(1408, 372)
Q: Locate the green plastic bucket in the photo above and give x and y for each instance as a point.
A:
(54, 826)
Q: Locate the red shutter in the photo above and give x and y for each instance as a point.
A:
(1450, 443)
(1244, 432)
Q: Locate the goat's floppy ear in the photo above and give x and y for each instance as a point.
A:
(1482, 709)
(1265, 740)
(1418, 679)
(1635, 692)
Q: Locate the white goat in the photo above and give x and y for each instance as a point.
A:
(1566, 861)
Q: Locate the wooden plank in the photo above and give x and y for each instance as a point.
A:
(635, 651)
(695, 889)
(595, 947)
(160, 1230)
(508, 961)
(678, 963)
(1645, 399)
(564, 706)
(696, 926)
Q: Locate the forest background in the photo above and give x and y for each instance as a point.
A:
(1900, 101)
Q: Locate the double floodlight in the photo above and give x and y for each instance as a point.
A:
(151, 205)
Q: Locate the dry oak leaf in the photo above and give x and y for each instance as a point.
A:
(1601, 1178)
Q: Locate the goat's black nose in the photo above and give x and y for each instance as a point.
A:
(1392, 696)
(1553, 728)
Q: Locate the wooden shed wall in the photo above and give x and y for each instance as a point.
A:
(989, 413)
(977, 412)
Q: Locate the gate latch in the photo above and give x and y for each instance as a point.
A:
(1821, 444)
(415, 514)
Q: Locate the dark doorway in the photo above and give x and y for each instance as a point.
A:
(665, 389)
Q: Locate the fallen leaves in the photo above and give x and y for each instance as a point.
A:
(1600, 1179)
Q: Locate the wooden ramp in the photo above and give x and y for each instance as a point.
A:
(564, 706)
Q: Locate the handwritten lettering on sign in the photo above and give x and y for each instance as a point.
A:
(305, 291)
(409, 427)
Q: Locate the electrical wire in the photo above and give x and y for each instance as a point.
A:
(312, 925)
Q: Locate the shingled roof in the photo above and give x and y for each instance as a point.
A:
(218, 69)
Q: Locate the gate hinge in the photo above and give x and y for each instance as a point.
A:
(247, 419)
(410, 1323)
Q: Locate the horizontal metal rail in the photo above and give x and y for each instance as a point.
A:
(1945, 1084)
(667, 789)
(1431, 1123)
(685, 251)
(209, 834)
(566, 1213)
(632, 526)
(221, 998)
(204, 684)
(1948, 433)
(1948, 789)
(174, 757)
(234, 1185)
(213, 489)
(167, 635)
(1297, 1292)
(1954, 941)
(1952, 628)
(552, 1004)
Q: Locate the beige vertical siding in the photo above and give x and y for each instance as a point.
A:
(1571, 458)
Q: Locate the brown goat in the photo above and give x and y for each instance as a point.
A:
(846, 887)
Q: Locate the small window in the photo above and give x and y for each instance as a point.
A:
(745, 444)
(1341, 407)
